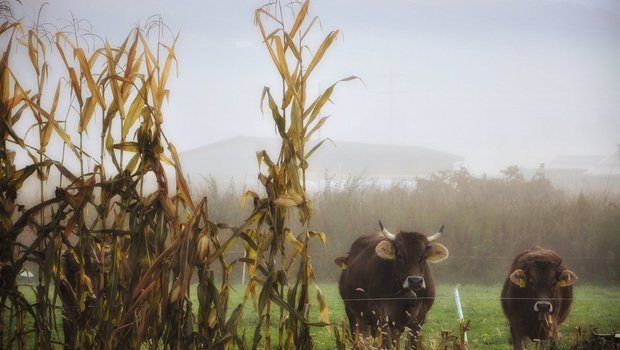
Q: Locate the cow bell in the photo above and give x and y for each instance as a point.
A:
(386, 233)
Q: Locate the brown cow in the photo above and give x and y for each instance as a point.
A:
(537, 296)
(386, 283)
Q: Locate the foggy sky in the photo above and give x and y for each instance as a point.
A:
(499, 82)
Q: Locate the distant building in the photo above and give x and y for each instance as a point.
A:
(235, 159)
(585, 173)
(608, 166)
(567, 172)
(605, 174)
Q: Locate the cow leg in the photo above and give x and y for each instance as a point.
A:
(357, 326)
(392, 338)
(352, 320)
(361, 333)
(518, 338)
(384, 332)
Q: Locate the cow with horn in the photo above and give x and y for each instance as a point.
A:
(386, 283)
(537, 296)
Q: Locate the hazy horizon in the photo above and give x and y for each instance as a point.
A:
(516, 82)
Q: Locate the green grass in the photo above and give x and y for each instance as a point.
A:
(594, 307)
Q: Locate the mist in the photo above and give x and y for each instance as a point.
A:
(510, 83)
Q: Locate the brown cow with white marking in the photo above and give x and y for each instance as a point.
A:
(386, 282)
(537, 296)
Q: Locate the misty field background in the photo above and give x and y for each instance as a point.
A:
(104, 242)
(487, 221)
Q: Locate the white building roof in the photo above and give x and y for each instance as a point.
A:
(608, 166)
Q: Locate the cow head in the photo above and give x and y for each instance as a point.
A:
(542, 279)
(410, 253)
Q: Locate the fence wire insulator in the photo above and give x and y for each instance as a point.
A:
(459, 311)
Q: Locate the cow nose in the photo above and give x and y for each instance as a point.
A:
(543, 306)
(414, 282)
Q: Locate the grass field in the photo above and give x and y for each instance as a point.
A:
(594, 307)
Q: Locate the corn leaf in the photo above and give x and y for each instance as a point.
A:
(87, 113)
(291, 44)
(318, 125)
(300, 18)
(315, 148)
(275, 112)
(128, 146)
(131, 55)
(63, 135)
(317, 105)
(33, 53)
(182, 186)
(85, 69)
(320, 52)
(55, 101)
(134, 111)
(118, 101)
(323, 309)
(169, 59)
(44, 137)
(308, 28)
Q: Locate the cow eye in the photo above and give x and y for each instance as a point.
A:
(531, 283)
(423, 258)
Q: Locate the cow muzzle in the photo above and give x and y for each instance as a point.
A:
(414, 283)
(543, 307)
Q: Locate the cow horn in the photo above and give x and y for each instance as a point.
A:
(436, 235)
(386, 233)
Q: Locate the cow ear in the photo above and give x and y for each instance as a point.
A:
(567, 278)
(436, 252)
(385, 250)
(341, 261)
(518, 277)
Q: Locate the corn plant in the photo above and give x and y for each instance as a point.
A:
(116, 242)
(275, 249)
